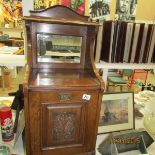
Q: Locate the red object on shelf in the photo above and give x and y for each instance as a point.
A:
(139, 75)
(6, 124)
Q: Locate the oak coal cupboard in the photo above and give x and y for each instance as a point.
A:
(62, 90)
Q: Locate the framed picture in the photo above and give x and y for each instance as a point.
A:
(116, 112)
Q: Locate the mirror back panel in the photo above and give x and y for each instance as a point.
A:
(58, 46)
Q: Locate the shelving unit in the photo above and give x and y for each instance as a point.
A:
(132, 49)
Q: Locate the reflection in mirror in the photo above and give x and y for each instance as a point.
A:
(58, 48)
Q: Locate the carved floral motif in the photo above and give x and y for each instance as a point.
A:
(64, 126)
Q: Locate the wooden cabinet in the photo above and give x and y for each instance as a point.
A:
(63, 123)
(62, 93)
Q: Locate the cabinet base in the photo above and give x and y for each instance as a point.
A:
(88, 153)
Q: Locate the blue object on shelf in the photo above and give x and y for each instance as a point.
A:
(4, 37)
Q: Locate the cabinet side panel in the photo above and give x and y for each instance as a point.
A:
(27, 125)
(34, 111)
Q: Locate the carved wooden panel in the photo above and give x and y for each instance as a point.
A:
(63, 124)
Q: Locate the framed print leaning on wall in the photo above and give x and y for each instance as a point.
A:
(116, 112)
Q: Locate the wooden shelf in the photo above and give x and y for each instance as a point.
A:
(106, 65)
(63, 54)
(11, 28)
(12, 60)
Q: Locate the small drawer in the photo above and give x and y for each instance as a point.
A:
(66, 96)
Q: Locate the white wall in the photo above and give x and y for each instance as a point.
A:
(27, 6)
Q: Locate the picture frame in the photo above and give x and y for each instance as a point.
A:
(117, 112)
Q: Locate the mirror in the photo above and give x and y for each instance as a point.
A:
(58, 48)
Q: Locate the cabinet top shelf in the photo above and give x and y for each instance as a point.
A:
(58, 21)
(62, 78)
(61, 15)
(107, 65)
